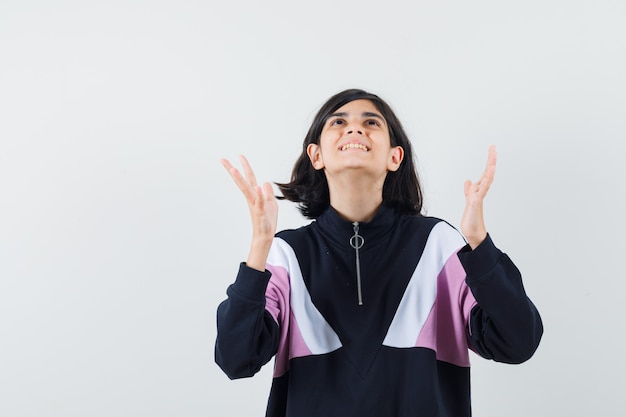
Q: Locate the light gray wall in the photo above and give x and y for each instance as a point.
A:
(120, 230)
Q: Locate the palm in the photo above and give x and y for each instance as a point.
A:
(261, 201)
(472, 222)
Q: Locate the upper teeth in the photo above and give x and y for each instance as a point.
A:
(354, 146)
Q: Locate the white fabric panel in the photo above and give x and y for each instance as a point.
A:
(319, 337)
(421, 293)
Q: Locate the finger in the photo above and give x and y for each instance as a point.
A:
(241, 183)
(482, 187)
(260, 202)
(226, 164)
(490, 169)
(268, 191)
(491, 159)
(232, 171)
(248, 170)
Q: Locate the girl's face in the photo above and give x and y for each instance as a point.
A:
(356, 137)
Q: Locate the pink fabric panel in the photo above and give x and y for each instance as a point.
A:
(277, 303)
(445, 329)
(277, 293)
(428, 335)
(297, 346)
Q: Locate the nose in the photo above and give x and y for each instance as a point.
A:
(353, 126)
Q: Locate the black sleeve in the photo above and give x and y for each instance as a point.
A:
(505, 325)
(247, 335)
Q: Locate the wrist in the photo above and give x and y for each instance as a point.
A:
(257, 257)
(475, 241)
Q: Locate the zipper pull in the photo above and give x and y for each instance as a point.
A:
(357, 242)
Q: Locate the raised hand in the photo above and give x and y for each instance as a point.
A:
(263, 211)
(473, 223)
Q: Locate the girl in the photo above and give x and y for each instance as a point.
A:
(371, 308)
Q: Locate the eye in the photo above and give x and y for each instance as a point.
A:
(372, 122)
(335, 122)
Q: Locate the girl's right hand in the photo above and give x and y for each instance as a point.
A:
(263, 211)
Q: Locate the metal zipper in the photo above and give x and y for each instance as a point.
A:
(357, 242)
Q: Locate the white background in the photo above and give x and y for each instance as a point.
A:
(120, 230)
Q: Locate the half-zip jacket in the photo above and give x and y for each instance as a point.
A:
(374, 318)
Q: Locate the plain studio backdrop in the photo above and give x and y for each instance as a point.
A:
(120, 230)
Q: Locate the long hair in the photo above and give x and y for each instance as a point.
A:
(308, 187)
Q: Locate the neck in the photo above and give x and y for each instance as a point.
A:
(354, 200)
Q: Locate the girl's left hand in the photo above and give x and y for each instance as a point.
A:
(473, 223)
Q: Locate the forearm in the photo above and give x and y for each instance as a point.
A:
(505, 325)
(247, 335)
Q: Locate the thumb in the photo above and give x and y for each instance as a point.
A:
(466, 187)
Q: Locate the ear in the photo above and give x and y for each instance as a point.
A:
(396, 156)
(313, 150)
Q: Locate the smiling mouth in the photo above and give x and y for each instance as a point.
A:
(354, 146)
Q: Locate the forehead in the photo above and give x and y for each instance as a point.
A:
(358, 107)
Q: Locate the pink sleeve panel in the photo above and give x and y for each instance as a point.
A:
(445, 330)
(277, 304)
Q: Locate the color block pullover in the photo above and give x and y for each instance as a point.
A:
(426, 298)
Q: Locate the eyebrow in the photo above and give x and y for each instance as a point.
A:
(364, 114)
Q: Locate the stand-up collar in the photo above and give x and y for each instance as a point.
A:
(339, 230)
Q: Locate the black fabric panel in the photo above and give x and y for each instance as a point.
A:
(400, 383)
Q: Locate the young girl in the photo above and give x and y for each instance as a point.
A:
(370, 309)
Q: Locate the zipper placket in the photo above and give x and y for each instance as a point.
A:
(357, 242)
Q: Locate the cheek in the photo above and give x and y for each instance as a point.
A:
(328, 139)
